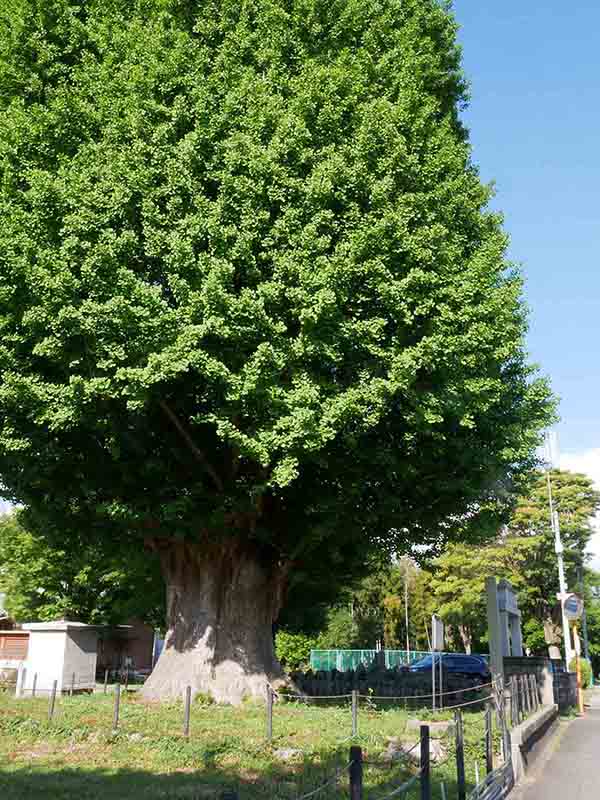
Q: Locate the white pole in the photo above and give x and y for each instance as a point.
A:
(433, 680)
(558, 547)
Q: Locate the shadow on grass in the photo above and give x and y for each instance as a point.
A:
(59, 782)
(72, 783)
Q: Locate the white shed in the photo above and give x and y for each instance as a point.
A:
(60, 651)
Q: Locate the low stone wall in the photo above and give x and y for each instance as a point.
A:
(531, 737)
(565, 690)
(389, 683)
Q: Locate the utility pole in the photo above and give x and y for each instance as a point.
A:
(558, 548)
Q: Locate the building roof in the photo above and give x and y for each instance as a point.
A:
(58, 625)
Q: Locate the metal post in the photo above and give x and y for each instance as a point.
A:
(186, 712)
(406, 606)
(72, 689)
(269, 714)
(441, 703)
(34, 685)
(117, 705)
(354, 712)
(584, 628)
(22, 679)
(489, 752)
(355, 773)
(460, 756)
(105, 680)
(580, 704)
(52, 701)
(425, 776)
(126, 677)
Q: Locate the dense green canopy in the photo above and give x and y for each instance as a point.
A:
(249, 281)
(86, 580)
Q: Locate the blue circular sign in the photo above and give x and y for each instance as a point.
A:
(573, 606)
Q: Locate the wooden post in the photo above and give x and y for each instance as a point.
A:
(105, 680)
(34, 685)
(534, 692)
(355, 773)
(460, 756)
(186, 712)
(72, 689)
(425, 780)
(269, 714)
(489, 752)
(52, 701)
(117, 704)
(529, 693)
(513, 703)
(354, 712)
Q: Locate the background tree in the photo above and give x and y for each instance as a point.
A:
(523, 554)
(87, 582)
(255, 312)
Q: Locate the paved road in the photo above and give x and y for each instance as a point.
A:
(573, 770)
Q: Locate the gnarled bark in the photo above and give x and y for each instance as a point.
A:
(221, 604)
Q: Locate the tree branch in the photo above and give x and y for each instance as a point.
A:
(192, 446)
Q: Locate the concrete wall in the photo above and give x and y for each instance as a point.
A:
(531, 737)
(80, 659)
(54, 655)
(46, 658)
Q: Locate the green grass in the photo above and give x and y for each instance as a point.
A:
(78, 756)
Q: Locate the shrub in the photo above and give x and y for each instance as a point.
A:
(586, 671)
(293, 649)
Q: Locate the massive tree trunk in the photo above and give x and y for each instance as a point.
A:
(221, 604)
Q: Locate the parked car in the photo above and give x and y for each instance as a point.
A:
(457, 663)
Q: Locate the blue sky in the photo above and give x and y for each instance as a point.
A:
(534, 117)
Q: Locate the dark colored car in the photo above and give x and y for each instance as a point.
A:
(458, 663)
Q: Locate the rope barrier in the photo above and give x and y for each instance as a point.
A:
(316, 697)
(334, 779)
(421, 696)
(404, 787)
(471, 702)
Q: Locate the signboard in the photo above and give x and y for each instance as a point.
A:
(573, 606)
(437, 633)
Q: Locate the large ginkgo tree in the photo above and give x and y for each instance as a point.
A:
(254, 311)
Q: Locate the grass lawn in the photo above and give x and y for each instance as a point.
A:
(78, 755)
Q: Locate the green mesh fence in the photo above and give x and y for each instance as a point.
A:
(343, 660)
